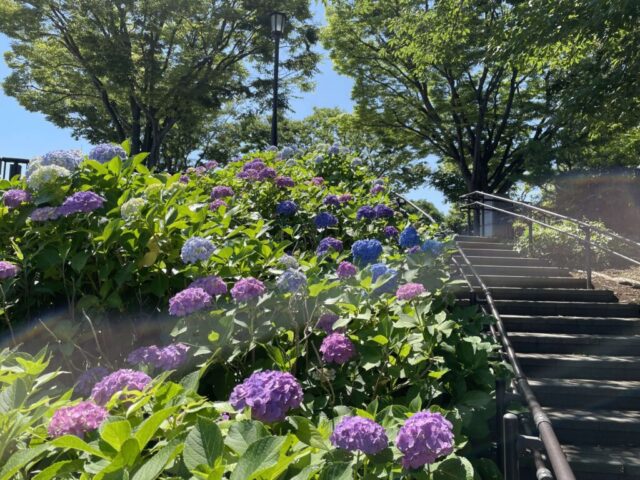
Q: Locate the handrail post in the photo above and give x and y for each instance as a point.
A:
(587, 255)
(530, 237)
(511, 451)
(500, 411)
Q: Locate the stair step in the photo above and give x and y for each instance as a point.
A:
(547, 294)
(467, 244)
(595, 367)
(530, 282)
(574, 309)
(490, 252)
(473, 238)
(600, 427)
(526, 271)
(603, 463)
(504, 261)
(586, 393)
(580, 343)
(553, 324)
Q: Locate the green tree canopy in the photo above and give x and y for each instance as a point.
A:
(139, 68)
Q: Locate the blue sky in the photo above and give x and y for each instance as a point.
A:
(25, 134)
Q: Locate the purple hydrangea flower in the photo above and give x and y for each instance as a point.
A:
(292, 281)
(410, 291)
(69, 159)
(287, 208)
(433, 247)
(44, 214)
(284, 182)
(346, 270)
(409, 237)
(88, 379)
(77, 419)
(377, 189)
(211, 165)
(331, 200)
(360, 434)
(184, 179)
(326, 321)
(216, 204)
(424, 438)
(391, 232)
(270, 394)
(81, 202)
(247, 289)
(287, 153)
(105, 152)
(266, 173)
(188, 301)
(212, 284)
(196, 249)
(15, 197)
(221, 191)
(117, 381)
(383, 211)
(334, 149)
(317, 181)
(329, 244)
(414, 249)
(345, 197)
(8, 270)
(325, 220)
(366, 251)
(164, 358)
(367, 212)
(337, 348)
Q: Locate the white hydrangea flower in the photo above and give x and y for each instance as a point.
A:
(131, 208)
(153, 190)
(46, 176)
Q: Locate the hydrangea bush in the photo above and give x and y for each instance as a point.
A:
(298, 337)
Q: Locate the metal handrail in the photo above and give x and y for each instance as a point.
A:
(549, 440)
(406, 200)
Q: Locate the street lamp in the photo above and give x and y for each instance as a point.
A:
(278, 21)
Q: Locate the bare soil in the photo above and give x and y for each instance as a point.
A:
(625, 293)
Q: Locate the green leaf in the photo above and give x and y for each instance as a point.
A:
(75, 443)
(475, 398)
(203, 445)
(79, 260)
(156, 464)
(13, 396)
(19, 460)
(380, 339)
(260, 456)
(58, 468)
(307, 433)
(244, 433)
(336, 471)
(454, 468)
(148, 428)
(116, 433)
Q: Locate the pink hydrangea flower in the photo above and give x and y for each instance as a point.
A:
(77, 419)
(410, 291)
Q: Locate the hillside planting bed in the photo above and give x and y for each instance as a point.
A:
(271, 318)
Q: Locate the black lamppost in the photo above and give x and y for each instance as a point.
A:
(278, 21)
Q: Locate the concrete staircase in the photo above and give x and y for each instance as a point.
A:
(580, 350)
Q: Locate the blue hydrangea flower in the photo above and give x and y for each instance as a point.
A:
(196, 249)
(366, 251)
(380, 269)
(409, 237)
(334, 149)
(367, 212)
(69, 159)
(433, 247)
(292, 281)
(383, 211)
(325, 220)
(328, 244)
(107, 151)
(287, 208)
(287, 153)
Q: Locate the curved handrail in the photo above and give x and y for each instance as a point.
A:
(406, 200)
(557, 458)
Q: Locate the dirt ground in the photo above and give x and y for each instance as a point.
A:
(626, 293)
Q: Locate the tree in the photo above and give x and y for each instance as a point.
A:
(231, 135)
(446, 77)
(138, 68)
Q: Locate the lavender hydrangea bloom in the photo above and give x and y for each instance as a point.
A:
(221, 191)
(105, 152)
(366, 251)
(211, 165)
(44, 214)
(8, 270)
(188, 301)
(337, 348)
(77, 419)
(284, 182)
(326, 321)
(288, 261)
(287, 153)
(292, 281)
(345, 197)
(69, 159)
(346, 270)
(317, 181)
(391, 231)
(409, 237)
(216, 204)
(88, 379)
(266, 173)
(356, 162)
(383, 211)
(81, 202)
(15, 197)
(269, 394)
(318, 159)
(377, 189)
(117, 381)
(377, 271)
(334, 149)
(410, 291)
(414, 249)
(184, 179)
(329, 244)
(287, 208)
(272, 148)
(360, 434)
(211, 284)
(433, 247)
(331, 200)
(325, 220)
(366, 212)
(424, 438)
(196, 249)
(247, 289)
(164, 358)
